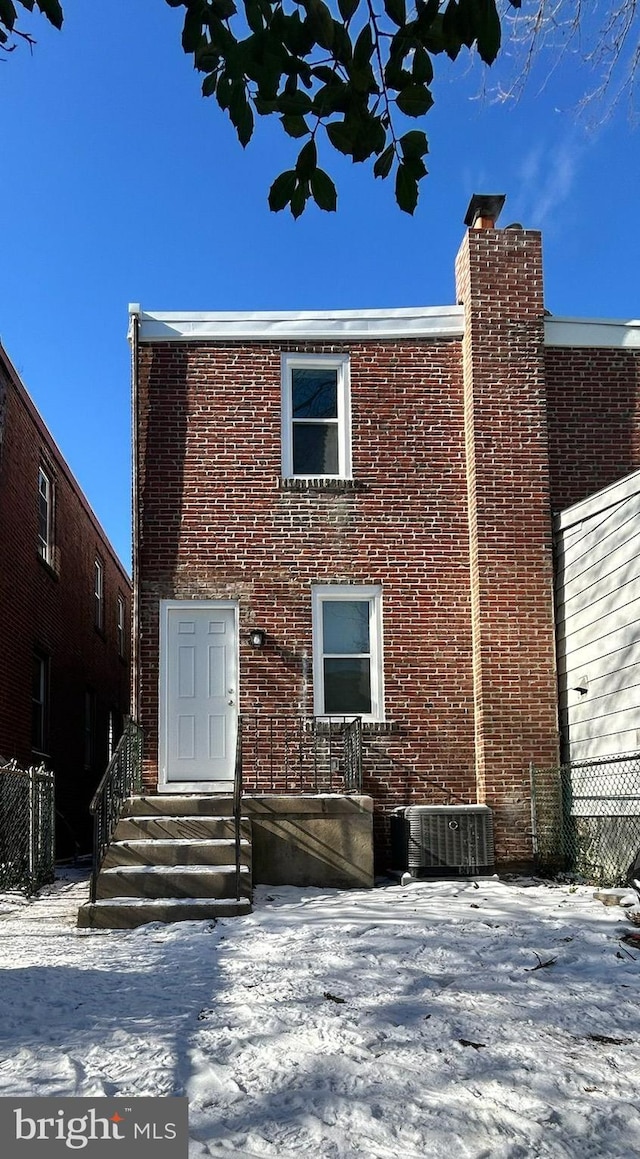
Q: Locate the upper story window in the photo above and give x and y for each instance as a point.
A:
(347, 651)
(45, 516)
(98, 594)
(316, 416)
(120, 629)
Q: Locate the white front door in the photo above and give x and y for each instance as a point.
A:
(198, 711)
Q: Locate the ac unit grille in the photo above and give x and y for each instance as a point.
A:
(458, 837)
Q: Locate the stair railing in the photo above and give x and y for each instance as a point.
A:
(122, 778)
(237, 804)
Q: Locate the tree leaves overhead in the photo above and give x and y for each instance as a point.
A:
(344, 74)
(348, 75)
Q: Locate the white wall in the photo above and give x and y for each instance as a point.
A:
(598, 618)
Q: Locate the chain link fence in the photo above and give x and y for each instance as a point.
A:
(27, 826)
(586, 818)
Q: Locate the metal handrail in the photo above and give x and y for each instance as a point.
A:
(237, 804)
(123, 777)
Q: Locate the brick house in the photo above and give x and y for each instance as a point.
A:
(357, 507)
(64, 618)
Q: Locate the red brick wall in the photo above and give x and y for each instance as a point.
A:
(594, 420)
(52, 610)
(215, 524)
(499, 281)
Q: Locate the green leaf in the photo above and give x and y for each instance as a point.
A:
(254, 15)
(209, 84)
(192, 30)
(414, 144)
(396, 10)
(363, 47)
(53, 12)
(382, 167)
(422, 67)
(414, 100)
(295, 104)
(489, 33)
(282, 190)
(406, 190)
(294, 126)
(8, 14)
(323, 190)
(240, 113)
(307, 160)
(348, 8)
(299, 198)
(341, 137)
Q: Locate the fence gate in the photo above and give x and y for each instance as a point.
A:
(27, 825)
(586, 818)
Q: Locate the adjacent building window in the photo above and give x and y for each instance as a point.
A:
(120, 629)
(316, 416)
(40, 702)
(45, 516)
(98, 594)
(347, 651)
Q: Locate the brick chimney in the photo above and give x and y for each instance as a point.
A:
(499, 282)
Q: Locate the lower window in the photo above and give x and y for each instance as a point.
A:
(347, 651)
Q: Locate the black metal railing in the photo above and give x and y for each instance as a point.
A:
(27, 827)
(586, 817)
(237, 805)
(288, 754)
(122, 778)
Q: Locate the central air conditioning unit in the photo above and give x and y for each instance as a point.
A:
(432, 840)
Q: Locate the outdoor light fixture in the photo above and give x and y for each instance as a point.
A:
(257, 638)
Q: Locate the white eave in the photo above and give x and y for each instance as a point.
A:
(592, 332)
(329, 325)
(414, 322)
(609, 496)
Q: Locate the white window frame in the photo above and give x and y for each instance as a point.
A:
(45, 492)
(120, 628)
(322, 593)
(98, 594)
(339, 362)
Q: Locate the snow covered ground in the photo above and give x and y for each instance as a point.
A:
(488, 1020)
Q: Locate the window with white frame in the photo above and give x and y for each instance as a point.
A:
(120, 632)
(98, 594)
(316, 416)
(45, 516)
(347, 651)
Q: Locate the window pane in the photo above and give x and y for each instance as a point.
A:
(345, 626)
(347, 685)
(315, 393)
(315, 448)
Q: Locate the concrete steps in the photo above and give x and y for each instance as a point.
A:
(171, 859)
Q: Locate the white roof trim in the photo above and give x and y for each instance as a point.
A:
(608, 497)
(609, 332)
(412, 322)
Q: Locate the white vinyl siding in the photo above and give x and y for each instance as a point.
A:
(598, 622)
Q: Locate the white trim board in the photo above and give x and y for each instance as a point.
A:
(406, 322)
(593, 504)
(411, 322)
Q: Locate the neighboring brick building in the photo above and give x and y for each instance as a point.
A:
(64, 618)
(374, 491)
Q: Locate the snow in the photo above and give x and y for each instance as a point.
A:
(472, 1020)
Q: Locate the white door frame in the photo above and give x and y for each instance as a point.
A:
(166, 606)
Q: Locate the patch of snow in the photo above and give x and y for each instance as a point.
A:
(486, 1020)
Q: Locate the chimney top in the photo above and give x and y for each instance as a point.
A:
(484, 210)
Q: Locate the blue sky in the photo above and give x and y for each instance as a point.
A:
(119, 184)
